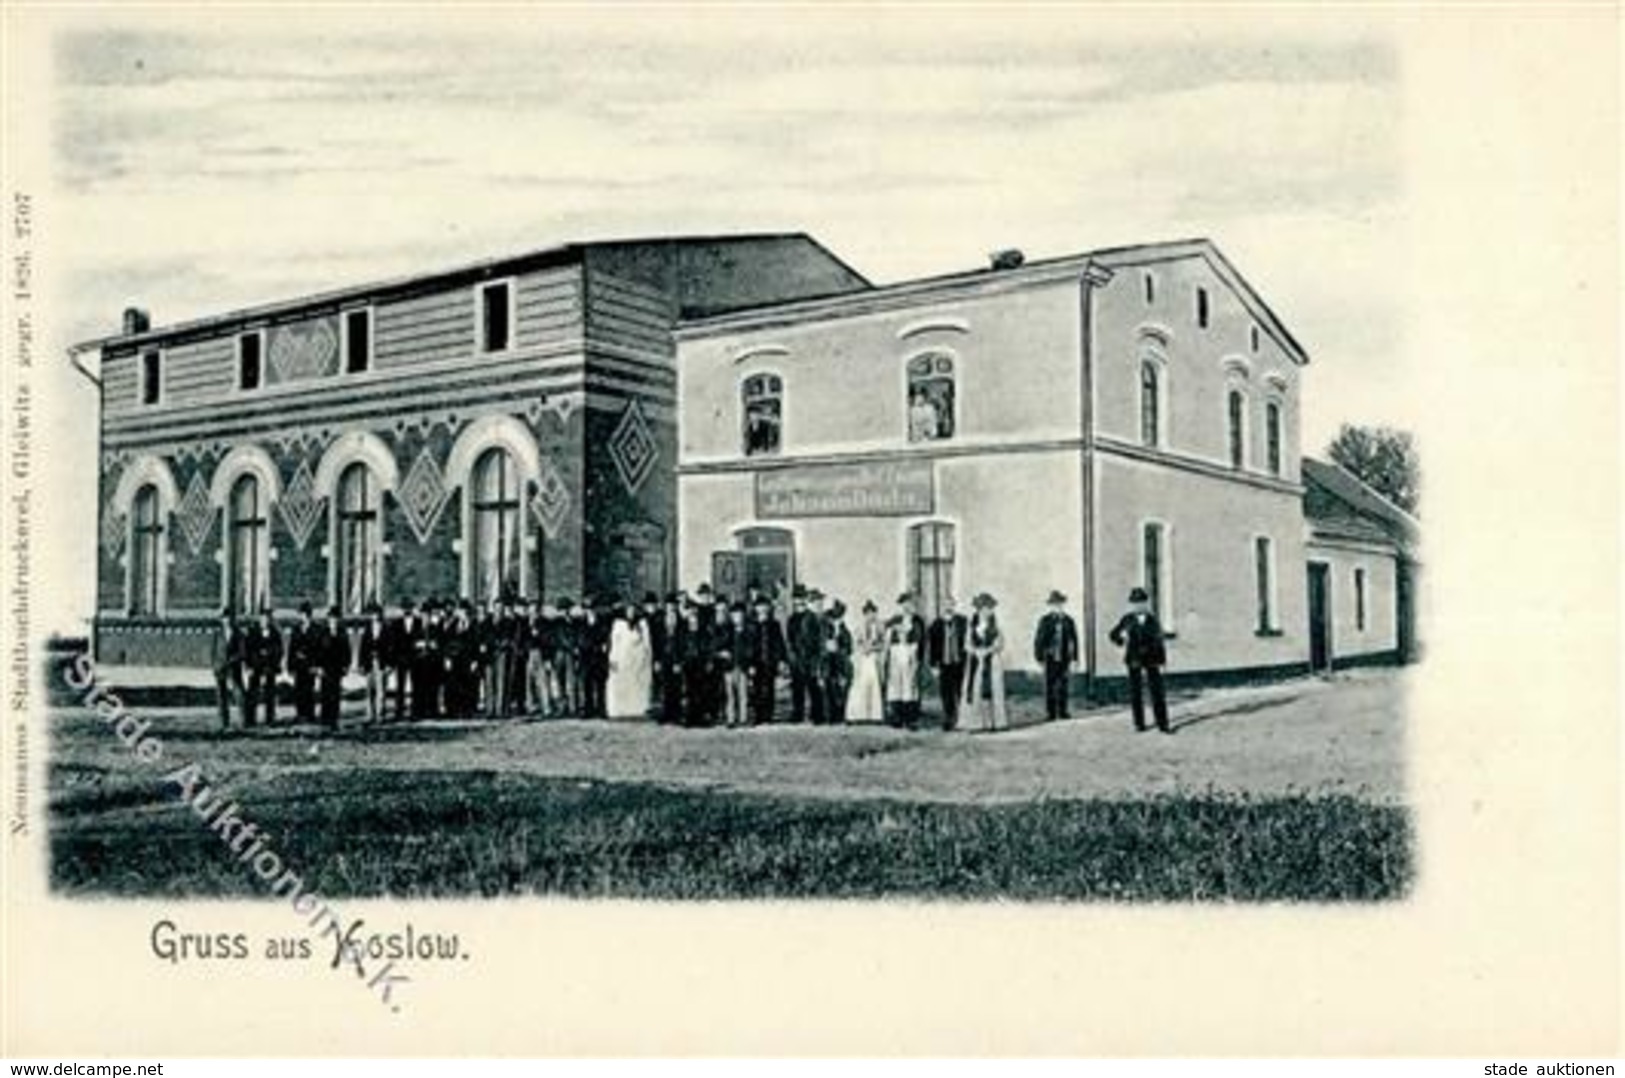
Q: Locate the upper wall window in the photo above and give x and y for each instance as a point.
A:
(1359, 600)
(1150, 285)
(152, 376)
(1201, 307)
(496, 317)
(1150, 403)
(762, 401)
(1236, 422)
(1272, 436)
(358, 340)
(930, 397)
(250, 359)
(1252, 337)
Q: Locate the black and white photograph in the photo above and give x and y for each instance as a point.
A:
(730, 462)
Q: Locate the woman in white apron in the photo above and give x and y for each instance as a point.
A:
(630, 666)
(866, 702)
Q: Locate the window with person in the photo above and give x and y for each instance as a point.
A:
(357, 534)
(931, 566)
(762, 401)
(495, 517)
(247, 564)
(146, 551)
(930, 397)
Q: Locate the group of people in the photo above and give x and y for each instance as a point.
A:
(685, 660)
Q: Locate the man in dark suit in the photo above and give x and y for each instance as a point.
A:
(303, 648)
(837, 663)
(1141, 637)
(767, 654)
(945, 648)
(402, 652)
(733, 656)
(265, 654)
(592, 636)
(333, 657)
(1055, 648)
(226, 658)
(567, 635)
(804, 638)
(666, 647)
(374, 659)
(696, 651)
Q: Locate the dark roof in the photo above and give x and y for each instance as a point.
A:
(1337, 503)
(561, 254)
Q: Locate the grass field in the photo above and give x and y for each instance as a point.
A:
(1251, 801)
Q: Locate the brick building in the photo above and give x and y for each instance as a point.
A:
(504, 426)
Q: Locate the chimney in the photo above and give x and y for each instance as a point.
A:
(1007, 259)
(136, 321)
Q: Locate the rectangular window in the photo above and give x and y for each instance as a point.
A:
(1236, 420)
(152, 376)
(1154, 569)
(250, 355)
(1272, 435)
(1264, 567)
(1252, 337)
(1201, 307)
(1359, 600)
(357, 341)
(932, 554)
(1150, 288)
(496, 317)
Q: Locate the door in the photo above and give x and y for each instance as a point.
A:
(769, 559)
(1320, 617)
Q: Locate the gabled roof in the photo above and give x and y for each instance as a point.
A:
(561, 254)
(928, 289)
(1336, 502)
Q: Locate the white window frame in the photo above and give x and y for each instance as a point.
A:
(1165, 567)
(908, 385)
(741, 430)
(1270, 623)
(1276, 467)
(480, 342)
(372, 337)
(1245, 464)
(1164, 414)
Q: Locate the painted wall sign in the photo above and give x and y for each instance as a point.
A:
(883, 489)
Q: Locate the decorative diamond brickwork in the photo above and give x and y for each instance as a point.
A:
(112, 529)
(551, 505)
(423, 495)
(300, 507)
(632, 447)
(304, 349)
(194, 514)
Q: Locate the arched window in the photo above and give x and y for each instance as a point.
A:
(762, 401)
(146, 551)
(1272, 436)
(495, 516)
(357, 537)
(247, 529)
(931, 566)
(1236, 421)
(930, 397)
(1150, 403)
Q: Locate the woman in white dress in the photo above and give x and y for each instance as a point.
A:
(983, 701)
(866, 702)
(630, 666)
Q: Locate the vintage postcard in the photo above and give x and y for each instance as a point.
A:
(793, 530)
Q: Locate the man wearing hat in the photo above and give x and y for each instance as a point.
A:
(373, 658)
(766, 652)
(666, 648)
(1141, 637)
(303, 655)
(804, 637)
(333, 657)
(945, 646)
(592, 639)
(1055, 648)
(837, 663)
(226, 658)
(905, 663)
(733, 656)
(263, 649)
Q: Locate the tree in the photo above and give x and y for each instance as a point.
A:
(1382, 458)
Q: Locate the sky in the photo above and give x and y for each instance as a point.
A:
(200, 168)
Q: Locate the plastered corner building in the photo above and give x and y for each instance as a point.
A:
(1118, 418)
(505, 426)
